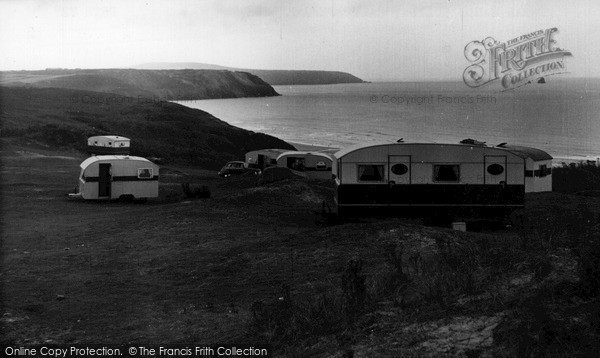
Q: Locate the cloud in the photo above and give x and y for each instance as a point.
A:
(378, 38)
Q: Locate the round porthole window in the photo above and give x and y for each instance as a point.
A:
(495, 169)
(399, 169)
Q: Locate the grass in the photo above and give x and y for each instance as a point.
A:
(250, 264)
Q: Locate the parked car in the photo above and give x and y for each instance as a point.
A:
(237, 168)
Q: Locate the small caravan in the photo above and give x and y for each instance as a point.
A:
(118, 176)
(312, 165)
(428, 175)
(538, 167)
(108, 144)
(263, 158)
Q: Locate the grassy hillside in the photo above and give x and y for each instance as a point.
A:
(272, 77)
(161, 84)
(63, 118)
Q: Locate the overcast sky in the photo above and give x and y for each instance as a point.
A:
(375, 40)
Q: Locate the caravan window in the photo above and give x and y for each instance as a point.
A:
(145, 173)
(321, 166)
(234, 165)
(370, 172)
(495, 169)
(446, 173)
(296, 163)
(399, 169)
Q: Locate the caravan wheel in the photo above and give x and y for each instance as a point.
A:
(126, 198)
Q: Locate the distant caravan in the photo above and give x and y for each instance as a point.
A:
(311, 165)
(460, 179)
(108, 144)
(118, 177)
(263, 158)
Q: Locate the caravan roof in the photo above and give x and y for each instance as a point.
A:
(98, 158)
(301, 153)
(521, 151)
(527, 152)
(352, 148)
(112, 137)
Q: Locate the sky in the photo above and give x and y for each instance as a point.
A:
(374, 40)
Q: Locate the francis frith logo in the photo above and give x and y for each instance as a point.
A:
(522, 60)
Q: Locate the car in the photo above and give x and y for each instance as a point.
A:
(237, 168)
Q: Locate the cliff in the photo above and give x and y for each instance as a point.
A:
(156, 84)
(272, 77)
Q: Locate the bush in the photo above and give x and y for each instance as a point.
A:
(354, 292)
(575, 178)
(588, 268)
(287, 320)
(195, 192)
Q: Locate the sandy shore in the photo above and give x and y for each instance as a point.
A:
(310, 147)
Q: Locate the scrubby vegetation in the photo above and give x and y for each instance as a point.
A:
(577, 177)
(532, 292)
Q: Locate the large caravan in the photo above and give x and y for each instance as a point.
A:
(429, 175)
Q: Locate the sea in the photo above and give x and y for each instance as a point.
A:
(561, 116)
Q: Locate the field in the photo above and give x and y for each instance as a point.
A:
(251, 264)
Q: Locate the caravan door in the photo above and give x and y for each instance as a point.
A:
(261, 162)
(399, 177)
(494, 168)
(104, 180)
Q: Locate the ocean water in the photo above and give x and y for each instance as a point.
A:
(561, 116)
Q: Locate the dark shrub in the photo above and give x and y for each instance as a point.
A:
(588, 268)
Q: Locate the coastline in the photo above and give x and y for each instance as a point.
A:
(335, 116)
(312, 147)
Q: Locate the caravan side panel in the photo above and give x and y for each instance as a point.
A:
(128, 177)
(137, 178)
(538, 176)
(429, 175)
